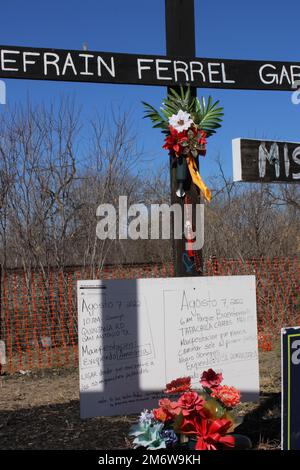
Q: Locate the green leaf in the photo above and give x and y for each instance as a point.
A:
(206, 115)
(174, 93)
(157, 119)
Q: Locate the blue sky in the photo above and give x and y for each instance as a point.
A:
(224, 29)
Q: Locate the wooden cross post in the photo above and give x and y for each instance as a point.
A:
(180, 41)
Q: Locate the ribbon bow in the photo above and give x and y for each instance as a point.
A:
(197, 180)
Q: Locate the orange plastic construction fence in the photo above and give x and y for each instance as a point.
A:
(38, 320)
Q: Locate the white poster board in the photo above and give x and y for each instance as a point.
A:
(137, 335)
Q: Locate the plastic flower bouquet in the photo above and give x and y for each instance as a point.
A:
(187, 123)
(200, 420)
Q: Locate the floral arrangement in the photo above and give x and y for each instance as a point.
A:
(201, 420)
(187, 123)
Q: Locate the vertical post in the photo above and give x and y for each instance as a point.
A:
(180, 41)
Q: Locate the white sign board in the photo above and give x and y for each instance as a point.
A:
(137, 335)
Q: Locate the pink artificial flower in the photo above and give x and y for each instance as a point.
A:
(181, 384)
(229, 396)
(210, 379)
(167, 410)
(191, 402)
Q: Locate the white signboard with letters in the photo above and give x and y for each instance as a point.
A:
(137, 335)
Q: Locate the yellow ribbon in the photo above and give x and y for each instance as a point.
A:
(198, 181)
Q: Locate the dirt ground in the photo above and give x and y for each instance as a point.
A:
(40, 410)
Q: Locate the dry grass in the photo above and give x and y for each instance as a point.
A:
(262, 420)
(40, 410)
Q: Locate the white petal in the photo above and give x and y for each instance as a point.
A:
(181, 121)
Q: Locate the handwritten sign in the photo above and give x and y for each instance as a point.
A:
(290, 423)
(266, 161)
(137, 335)
(109, 67)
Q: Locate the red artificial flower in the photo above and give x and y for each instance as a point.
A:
(211, 434)
(160, 415)
(181, 384)
(202, 135)
(210, 379)
(174, 140)
(229, 396)
(191, 402)
(167, 410)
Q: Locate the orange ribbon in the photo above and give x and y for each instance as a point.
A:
(197, 180)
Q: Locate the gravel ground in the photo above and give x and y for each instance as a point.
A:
(40, 410)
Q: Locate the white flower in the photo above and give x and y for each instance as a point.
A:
(181, 121)
(146, 417)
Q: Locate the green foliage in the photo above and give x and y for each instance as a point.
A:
(148, 435)
(206, 115)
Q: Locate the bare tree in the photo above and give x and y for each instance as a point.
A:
(246, 221)
(38, 151)
(52, 181)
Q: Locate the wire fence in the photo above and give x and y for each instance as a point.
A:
(38, 320)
